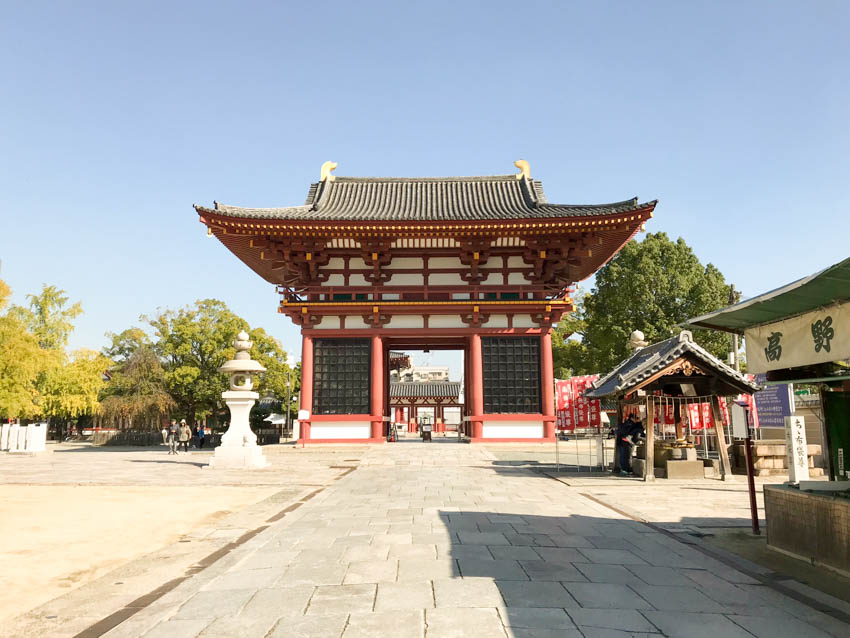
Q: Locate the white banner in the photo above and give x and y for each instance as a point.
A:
(819, 336)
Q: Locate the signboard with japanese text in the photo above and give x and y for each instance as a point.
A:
(819, 336)
(774, 403)
(795, 449)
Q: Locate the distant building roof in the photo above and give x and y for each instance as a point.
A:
(440, 389)
(647, 362)
(426, 199)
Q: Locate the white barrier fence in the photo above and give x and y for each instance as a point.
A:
(27, 438)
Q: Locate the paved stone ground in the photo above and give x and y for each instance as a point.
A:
(436, 540)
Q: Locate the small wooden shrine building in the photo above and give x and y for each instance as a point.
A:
(434, 400)
(479, 264)
(663, 381)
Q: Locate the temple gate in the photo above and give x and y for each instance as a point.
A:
(479, 264)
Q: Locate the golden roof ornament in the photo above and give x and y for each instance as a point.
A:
(327, 167)
(524, 167)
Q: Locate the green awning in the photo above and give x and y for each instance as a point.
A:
(829, 286)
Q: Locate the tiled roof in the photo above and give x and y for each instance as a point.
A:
(449, 389)
(647, 361)
(426, 199)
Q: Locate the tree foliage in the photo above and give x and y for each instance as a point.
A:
(652, 286)
(48, 318)
(21, 362)
(71, 390)
(137, 391)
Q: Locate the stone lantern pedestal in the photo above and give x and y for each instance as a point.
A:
(239, 449)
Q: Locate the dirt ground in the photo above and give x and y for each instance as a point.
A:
(57, 537)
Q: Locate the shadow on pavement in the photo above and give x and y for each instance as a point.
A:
(579, 576)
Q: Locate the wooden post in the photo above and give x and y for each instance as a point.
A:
(376, 407)
(615, 466)
(477, 378)
(725, 465)
(547, 381)
(306, 402)
(649, 474)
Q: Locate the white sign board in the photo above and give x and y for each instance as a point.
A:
(795, 449)
(819, 336)
(739, 421)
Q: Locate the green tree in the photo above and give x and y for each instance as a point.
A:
(652, 286)
(21, 363)
(48, 318)
(194, 343)
(70, 390)
(125, 344)
(137, 391)
(569, 356)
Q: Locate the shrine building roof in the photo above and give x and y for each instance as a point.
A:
(647, 363)
(498, 197)
(432, 389)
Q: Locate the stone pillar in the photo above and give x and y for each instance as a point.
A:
(547, 382)
(306, 383)
(476, 374)
(376, 395)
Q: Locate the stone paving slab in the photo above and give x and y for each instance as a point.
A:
(433, 541)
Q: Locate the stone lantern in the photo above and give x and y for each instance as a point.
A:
(239, 447)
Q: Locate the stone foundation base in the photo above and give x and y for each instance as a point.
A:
(238, 458)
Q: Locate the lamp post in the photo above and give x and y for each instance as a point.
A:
(290, 357)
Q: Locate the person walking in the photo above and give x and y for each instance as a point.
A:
(164, 435)
(202, 433)
(173, 433)
(185, 436)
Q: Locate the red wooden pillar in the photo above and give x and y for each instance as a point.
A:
(306, 383)
(399, 415)
(377, 393)
(476, 372)
(547, 381)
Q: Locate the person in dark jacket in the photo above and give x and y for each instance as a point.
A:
(627, 435)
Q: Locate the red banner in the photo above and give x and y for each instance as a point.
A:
(573, 410)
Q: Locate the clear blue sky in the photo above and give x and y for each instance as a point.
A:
(116, 117)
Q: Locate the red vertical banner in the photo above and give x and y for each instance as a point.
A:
(564, 403)
(724, 411)
(695, 416)
(707, 417)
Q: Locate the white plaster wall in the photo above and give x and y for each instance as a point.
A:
(328, 323)
(512, 430)
(516, 261)
(524, 321)
(407, 262)
(408, 279)
(494, 278)
(493, 262)
(358, 280)
(445, 262)
(355, 323)
(497, 321)
(517, 278)
(356, 262)
(406, 321)
(461, 296)
(335, 280)
(444, 279)
(336, 263)
(341, 430)
(445, 321)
